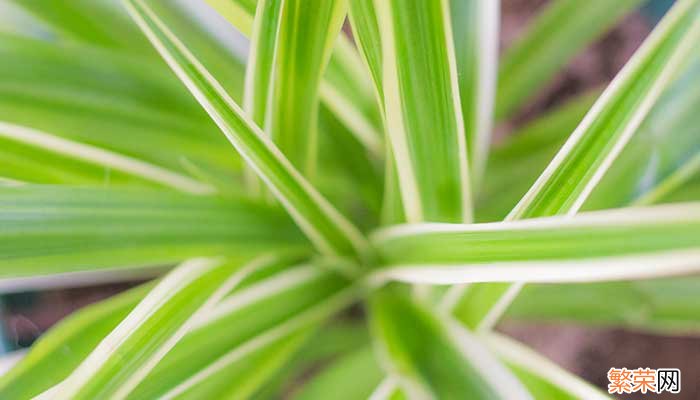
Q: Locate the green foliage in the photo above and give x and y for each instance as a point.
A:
(112, 167)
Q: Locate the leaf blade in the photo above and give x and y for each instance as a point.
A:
(432, 170)
(593, 246)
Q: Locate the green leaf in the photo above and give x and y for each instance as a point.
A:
(365, 29)
(125, 356)
(240, 13)
(432, 356)
(291, 47)
(330, 232)
(344, 90)
(389, 389)
(261, 60)
(543, 378)
(50, 230)
(59, 351)
(601, 245)
(665, 306)
(83, 20)
(688, 192)
(306, 35)
(423, 115)
(475, 30)
(556, 35)
(358, 365)
(658, 159)
(98, 160)
(104, 99)
(239, 380)
(331, 342)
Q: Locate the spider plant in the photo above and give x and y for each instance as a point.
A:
(338, 205)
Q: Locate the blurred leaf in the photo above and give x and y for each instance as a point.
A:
(667, 146)
(365, 27)
(239, 12)
(83, 20)
(556, 35)
(567, 182)
(331, 342)
(359, 365)
(475, 30)
(106, 100)
(50, 230)
(665, 306)
(543, 378)
(60, 350)
(432, 356)
(84, 161)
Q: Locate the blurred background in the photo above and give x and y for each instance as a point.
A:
(586, 351)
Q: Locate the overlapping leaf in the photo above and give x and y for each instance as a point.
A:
(344, 91)
(327, 229)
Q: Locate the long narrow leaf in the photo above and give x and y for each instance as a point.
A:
(667, 144)
(327, 229)
(423, 114)
(307, 32)
(100, 157)
(56, 230)
(602, 245)
(567, 182)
